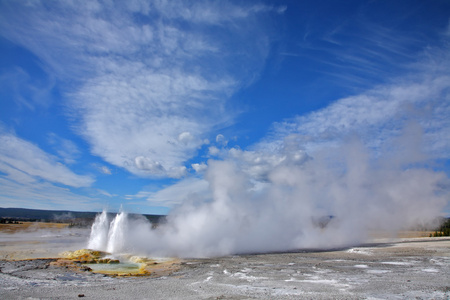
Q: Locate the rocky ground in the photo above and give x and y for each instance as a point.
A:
(413, 269)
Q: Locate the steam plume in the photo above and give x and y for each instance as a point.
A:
(274, 202)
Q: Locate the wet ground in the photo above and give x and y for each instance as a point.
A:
(412, 269)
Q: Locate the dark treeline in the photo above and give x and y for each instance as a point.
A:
(443, 230)
(74, 218)
(10, 221)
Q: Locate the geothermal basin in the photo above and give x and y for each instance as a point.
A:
(394, 268)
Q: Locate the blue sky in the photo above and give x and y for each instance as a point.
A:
(106, 103)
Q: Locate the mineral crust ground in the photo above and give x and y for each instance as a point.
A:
(417, 268)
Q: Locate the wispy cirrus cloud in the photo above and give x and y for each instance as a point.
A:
(363, 49)
(28, 92)
(146, 73)
(105, 170)
(65, 148)
(44, 195)
(31, 177)
(25, 162)
(381, 113)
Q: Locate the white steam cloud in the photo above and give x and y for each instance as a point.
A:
(289, 200)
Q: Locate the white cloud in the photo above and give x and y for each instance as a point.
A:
(199, 167)
(258, 164)
(220, 139)
(25, 162)
(185, 190)
(65, 148)
(185, 137)
(105, 170)
(144, 83)
(213, 150)
(217, 13)
(105, 193)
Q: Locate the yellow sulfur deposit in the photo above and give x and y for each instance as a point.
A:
(88, 256)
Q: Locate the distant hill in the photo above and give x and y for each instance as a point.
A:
(39, 215)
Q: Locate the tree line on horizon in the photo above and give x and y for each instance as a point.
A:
(443, 230)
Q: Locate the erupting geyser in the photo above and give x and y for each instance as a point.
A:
(119, 234)
(99, 232)
(109, 235)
